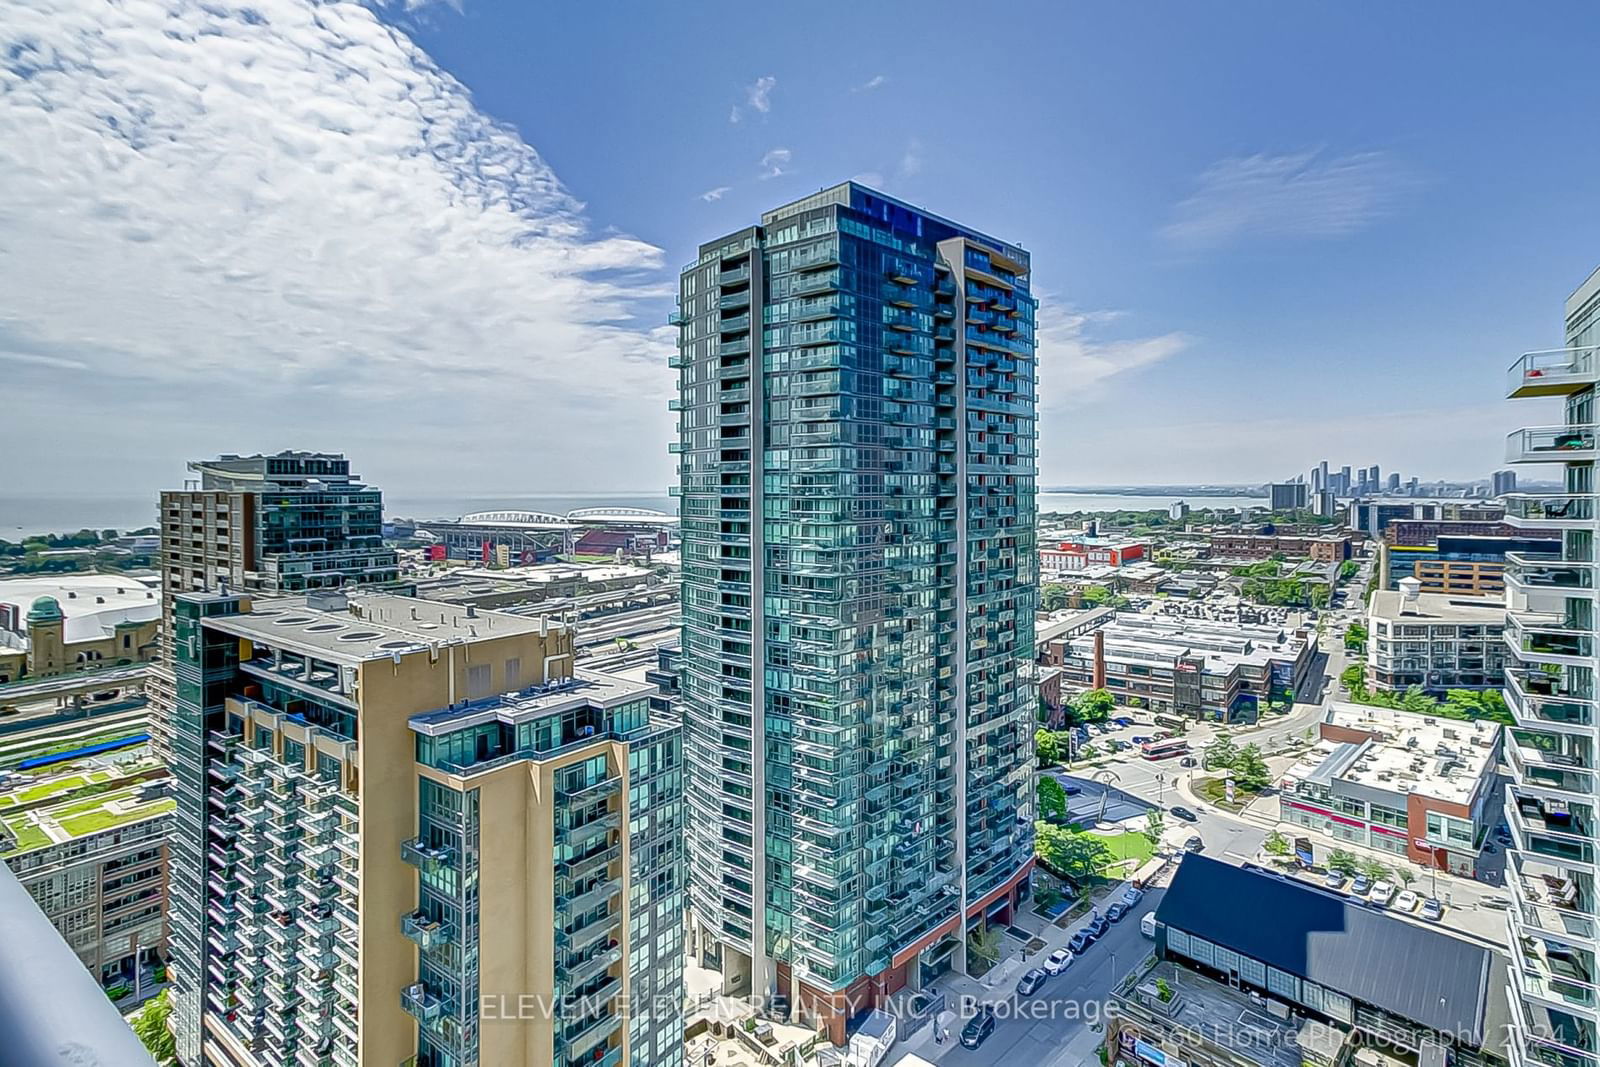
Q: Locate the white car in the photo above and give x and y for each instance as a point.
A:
(1382, 893)
(1406, 901)
(1132, 895)
(1057, 961)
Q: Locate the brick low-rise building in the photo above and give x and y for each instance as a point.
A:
(1414, 785)
(1329, 549)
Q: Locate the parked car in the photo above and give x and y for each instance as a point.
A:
(1140, 739)
(1097, 927)
(1188, 761)
(1498, 903)
(1072, 789)
(1032, 981)
(1180, 812)
(1334, 880)
(978, 1028)
(1115, 913)
(1057, 961)
(1080, 941)
(1132, 895)
(1502, 834)
(1361, 885)
(1382, 893)
(1407, 901)
(1432, 910)
(1194, 844)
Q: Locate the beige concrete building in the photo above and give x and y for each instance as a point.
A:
(56, 624)
(428, 840)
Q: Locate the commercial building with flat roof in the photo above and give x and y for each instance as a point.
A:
(1188, 667)
(1433, 640)
(425, 839)
(1303, 954)
(56, 624)
(1414, 785)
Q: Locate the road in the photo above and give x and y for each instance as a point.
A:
(1052, 1028)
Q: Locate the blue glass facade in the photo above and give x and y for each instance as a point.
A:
(857, 496)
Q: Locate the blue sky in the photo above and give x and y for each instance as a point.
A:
(1266, 233)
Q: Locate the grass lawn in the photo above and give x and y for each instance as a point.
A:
(48, 789)
(87, 804)
(28, 835)
(103, 820)
(1130, 848)
(1212, 790)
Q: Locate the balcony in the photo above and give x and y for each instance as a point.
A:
(420, 1003)
(1539, 768)
(581, 973)
(424, 932)
(1540, 574)
(590, 899)
(418, 853)
(1549, 639)
(1549, 511)
(736, 276)
(1545, 833)
(1554, 372)
(736, 324)
(1539, 700)
(1551, 444)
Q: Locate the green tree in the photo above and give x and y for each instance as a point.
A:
(1088, 752)
(1054, 597)
(1163, 990)
(1250, 770)
(1355, 636)
(1074, 854)
(1052, 799)
(150, 1024)
(1378, 872)
(1046, 748)
(1344, 862)
(1405, 875)
(1095, 705)
(1221, 754)
(984, 942)
(1353, 677)
(1155, 825)
(1276, 844)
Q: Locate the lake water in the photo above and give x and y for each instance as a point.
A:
(26, 516)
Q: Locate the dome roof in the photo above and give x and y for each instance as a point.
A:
(45, 609)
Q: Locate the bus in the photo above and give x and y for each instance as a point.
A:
(1170, 722)
(1165, 749)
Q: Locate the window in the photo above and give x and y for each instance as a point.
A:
(477, 682)
(1449, 831)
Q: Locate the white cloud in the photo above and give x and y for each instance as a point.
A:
(911, 160)
(877, 81)
(280, 223)
(715, 194)
(775, 163)
(1303, 194)
(1075, 364)
(757, 97)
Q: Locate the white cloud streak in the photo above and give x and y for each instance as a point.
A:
(1298, 195)
(286, 208)
(757, 98)
(711, 195)
(775, 163)
(1075, 364)
(877, 81)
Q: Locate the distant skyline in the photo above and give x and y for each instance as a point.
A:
(1264, 235)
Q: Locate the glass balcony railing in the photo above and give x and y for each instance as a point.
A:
(418, 853)
(1549, 511)
(425, 932)
(1549, 639)
(1551, 444)
(421, 1003)
(1554, 372)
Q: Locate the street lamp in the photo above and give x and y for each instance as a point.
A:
(1161, 788)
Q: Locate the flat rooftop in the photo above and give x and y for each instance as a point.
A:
(1226, 1017)
(1445, 759)
(1390, 605)
(370, 626)
(1223, 646)
(585, 687)
(91, 604)
(48, 806)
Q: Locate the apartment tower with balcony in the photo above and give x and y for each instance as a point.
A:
(856, 389)
(286, 522)
(425, 840)
(1550, 688)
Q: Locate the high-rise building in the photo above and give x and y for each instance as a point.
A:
(424, 839)
(1503, 482)
(1178, 511)
(1550, 689)
(1374, 477)
(289, 521)
(1324, 504)
(1316, 481)
(1286, 496)
(859, 582)
(1393, 484)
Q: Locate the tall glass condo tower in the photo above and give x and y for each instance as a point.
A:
(1551, 628)
(856, 388)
